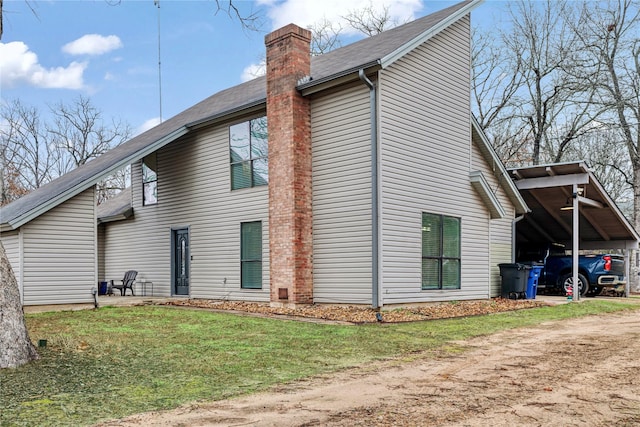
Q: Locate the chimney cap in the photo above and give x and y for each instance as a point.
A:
(290, 30)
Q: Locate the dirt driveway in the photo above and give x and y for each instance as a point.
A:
(583, 372)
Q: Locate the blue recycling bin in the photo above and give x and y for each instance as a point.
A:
(532, 280)
(514, 280)
(102, 289)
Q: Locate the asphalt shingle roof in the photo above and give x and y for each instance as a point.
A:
(339, 62)
(116, 206)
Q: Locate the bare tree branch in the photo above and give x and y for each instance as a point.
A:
(608, 33)
(370, 21)
(78, 131)
(325, 36)
(251, 20)
(33, 153)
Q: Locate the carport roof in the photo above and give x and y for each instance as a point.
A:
(547, 188)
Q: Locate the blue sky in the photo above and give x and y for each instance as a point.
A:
(107, 50)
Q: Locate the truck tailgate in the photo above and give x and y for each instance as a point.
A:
(617, 265)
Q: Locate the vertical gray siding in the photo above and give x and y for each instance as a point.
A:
(59, 250)
(340, 129)
(425, 164)
(194, 192)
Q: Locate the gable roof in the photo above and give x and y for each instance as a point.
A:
(370, 53)
(382, 50)
(546, 190)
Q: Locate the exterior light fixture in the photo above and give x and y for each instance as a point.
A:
(568, 206)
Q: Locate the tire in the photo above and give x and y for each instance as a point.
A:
(567, 280)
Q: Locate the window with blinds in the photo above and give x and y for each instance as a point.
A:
(440, 252)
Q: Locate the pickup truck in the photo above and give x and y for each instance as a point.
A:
(595, 272)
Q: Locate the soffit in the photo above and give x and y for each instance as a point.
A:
(546, 189)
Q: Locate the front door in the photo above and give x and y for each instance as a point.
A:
(181, 261)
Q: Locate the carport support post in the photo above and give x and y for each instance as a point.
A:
(627, 272)
(576, 235)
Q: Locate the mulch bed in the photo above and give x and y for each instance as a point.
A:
(360, 314)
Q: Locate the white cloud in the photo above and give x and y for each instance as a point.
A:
(92, 44)
(148, 125)
(252, 71)
(306, 13)
(19, 65)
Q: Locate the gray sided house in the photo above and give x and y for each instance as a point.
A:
(355, 177)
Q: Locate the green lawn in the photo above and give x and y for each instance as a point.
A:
(112, 362)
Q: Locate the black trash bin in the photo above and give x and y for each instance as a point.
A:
(514, 280)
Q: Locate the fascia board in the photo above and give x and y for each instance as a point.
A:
(78, 188)
(614, 207)
(510, 187)
(553, 181)
(479, 182)
(254, 107)
(127, 213)
(337, 79)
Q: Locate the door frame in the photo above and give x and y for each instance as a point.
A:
(172, 285)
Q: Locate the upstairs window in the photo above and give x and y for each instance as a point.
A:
(440, 252)
(249, 154)
(149, 180)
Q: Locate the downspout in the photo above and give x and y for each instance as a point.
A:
(374, 189)
(513, 237)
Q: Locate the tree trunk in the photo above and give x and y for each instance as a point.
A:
(16, 348)
(636, 193)
(634, 279)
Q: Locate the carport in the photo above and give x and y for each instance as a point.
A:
(569, 206)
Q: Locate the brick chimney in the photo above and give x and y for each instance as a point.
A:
(290, 198)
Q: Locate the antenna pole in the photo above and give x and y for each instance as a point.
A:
(157, 3)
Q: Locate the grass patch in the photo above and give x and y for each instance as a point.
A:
(113, 362)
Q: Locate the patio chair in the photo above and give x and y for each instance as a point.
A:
(127, 283)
